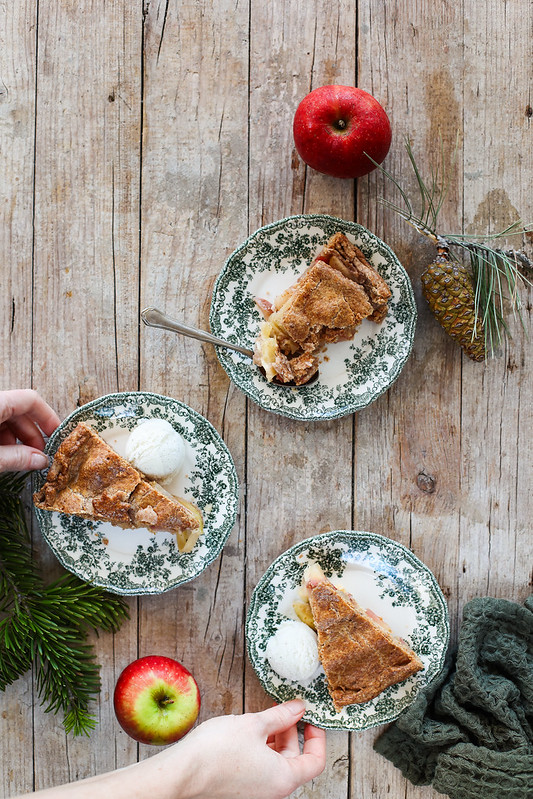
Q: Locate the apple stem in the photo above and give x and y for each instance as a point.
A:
(166, 701)
(341, 124)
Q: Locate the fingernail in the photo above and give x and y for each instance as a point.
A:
(39, 460)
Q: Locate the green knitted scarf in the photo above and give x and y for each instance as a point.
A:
(469, 733)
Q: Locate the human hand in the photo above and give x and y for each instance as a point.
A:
(253, 756)
(23, 415)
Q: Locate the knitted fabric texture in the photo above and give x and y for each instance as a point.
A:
(469, 733)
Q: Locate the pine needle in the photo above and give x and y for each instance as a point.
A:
(47, 625)
(497, 275)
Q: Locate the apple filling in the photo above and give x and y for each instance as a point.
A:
(269, 356)
(89, 479)
(325, 305)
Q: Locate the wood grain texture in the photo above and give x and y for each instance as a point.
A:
(497, 416)
(410, 436)
(141, 143)
(194, 211)
(17, 126)
(86, 265)
(17, 133)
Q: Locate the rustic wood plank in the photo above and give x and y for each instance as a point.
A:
(409, 439)
(496, 405)
(17, 128)
(194, 205)
(221, 84)
(295, 48)
(17, 123)
(86, 275)
(449, 526)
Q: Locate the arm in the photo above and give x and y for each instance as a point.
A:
(23, 415)
(253, 756)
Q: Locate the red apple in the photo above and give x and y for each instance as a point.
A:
(156, 700)
(335, 126)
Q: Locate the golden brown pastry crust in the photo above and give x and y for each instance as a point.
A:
(326, 304)
(89, 479)
(360, 657)
(348, 259)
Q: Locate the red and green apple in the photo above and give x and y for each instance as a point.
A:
(156, 700)
(336, 128)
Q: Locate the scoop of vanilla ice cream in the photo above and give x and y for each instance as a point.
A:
(293, 651)
(155, 448)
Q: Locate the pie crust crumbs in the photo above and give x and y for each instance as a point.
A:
(89, 479)
(360, 655)
(326, 304)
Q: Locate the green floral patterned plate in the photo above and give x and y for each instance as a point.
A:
(383, 576)
(139, 561)
(352, 373)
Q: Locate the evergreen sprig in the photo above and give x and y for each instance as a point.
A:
(47, 625)
(497, 275)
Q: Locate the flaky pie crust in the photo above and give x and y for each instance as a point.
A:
(89, 479)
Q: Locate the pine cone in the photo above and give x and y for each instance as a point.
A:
(448, 288)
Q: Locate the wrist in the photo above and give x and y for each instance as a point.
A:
(174, 773)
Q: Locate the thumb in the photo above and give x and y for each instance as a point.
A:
(280, 717)
(19, 458)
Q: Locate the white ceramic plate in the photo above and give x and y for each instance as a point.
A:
(383, 576)
(140, 561)
(352, 373)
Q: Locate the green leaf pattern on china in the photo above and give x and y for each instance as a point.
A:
(287, 247)
(402, 581)
(156, 565)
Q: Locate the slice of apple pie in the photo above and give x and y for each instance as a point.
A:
(89, 479)
(326, 304)
(359, 653)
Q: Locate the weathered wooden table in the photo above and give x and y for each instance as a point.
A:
(140, 144)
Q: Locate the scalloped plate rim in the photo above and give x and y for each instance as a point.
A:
(302, 546)
(233, 491)
(335, 412)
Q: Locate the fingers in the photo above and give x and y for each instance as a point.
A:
(315, 742)
(19, 458)
(23, 414)
(26, 431)
(26, 402)
(7, 436)
(312, 761)
(286, 742)
(279, 718)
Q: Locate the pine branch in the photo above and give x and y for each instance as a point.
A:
(48, 625)
(15, 648)
(17, 574)
(497, 275)
(71, 599)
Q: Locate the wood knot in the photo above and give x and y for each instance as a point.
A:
(529, 111)
(426, 482)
